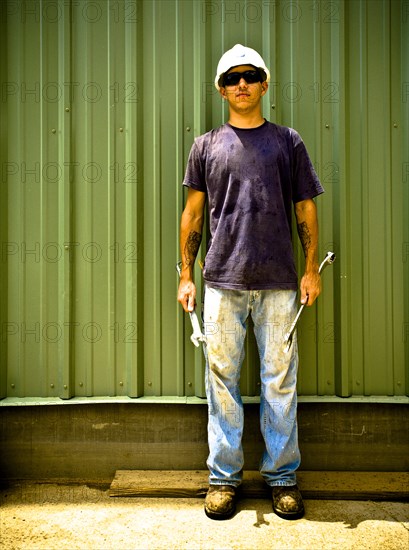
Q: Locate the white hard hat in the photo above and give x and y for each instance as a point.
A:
(239, 55)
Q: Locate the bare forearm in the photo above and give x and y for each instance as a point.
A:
(190, 239)
(307, 226)
(190, 249)
(191, 226)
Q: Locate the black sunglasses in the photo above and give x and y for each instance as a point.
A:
(232, 79)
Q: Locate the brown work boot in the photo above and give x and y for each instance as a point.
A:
(220, 501)
(287, 502)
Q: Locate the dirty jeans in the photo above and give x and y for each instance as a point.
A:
(225, 314)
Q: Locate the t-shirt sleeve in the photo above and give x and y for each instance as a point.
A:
(195, 170)
(306, 184)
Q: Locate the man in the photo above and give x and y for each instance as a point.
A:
(251, 172)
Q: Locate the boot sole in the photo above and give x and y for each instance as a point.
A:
(219, 516)
(289, 515)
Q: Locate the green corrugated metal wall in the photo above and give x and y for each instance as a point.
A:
(101, 101)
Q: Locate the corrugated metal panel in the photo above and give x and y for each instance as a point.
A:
(101, 102)
(3, 207)
(374, 215)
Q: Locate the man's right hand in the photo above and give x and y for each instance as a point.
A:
(187, 295)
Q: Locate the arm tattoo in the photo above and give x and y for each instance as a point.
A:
(192, 247)
(305, 236)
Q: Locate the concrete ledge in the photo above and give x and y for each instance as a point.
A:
(92, 442)
(174, 400)
(314, 485)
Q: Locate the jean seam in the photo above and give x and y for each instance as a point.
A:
(282, 484)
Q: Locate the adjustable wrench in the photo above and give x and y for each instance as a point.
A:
(288, 338)
(197, 335)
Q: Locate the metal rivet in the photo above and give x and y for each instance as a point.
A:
(273, 106)
(65, 386)
(149, 383)
(13, 386)
(327, 126)
(53, 130)
(399, 383)
(66, 247)
(329, 382)
(121, 383)
(67, 109)
(81, 384)
(358, 383)
(189, 384)
(188, 128)
(121, 129)
(51, 385)
(395, 125)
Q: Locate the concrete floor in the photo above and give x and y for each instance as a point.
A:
(68, 517)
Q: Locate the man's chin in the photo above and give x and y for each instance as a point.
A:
(243, 106)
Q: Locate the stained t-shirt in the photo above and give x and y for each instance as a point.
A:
(251, 177)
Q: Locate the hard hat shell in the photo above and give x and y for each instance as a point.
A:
(239, 55)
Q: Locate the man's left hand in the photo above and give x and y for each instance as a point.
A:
(310, 287)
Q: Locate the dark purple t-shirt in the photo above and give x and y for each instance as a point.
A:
(252, 177)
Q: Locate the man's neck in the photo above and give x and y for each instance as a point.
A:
(245, 121)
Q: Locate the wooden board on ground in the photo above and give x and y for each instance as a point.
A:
(313, 485)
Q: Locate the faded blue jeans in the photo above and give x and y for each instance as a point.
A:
(225, 314)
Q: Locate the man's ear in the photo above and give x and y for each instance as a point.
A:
(264, 87)
(222, 92)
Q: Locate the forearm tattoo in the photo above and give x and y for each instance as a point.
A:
(305, 236)
(191, 247)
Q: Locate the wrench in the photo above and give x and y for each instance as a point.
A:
(197, 335)
(288, 338)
